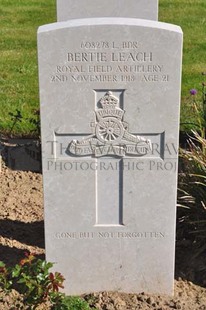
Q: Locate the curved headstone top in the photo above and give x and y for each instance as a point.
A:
(108, 21)
(74, 9)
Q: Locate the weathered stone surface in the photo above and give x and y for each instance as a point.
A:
(70, 9)
(110, 95)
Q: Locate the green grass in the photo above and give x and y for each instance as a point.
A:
(19, 20)
(191, 16)
(18, 66)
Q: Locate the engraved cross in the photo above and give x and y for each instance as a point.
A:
(109, 144)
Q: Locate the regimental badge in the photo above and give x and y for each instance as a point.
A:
(111, 136)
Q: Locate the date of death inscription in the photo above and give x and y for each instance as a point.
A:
(104, 62)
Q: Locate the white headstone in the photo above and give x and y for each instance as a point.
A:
(74, 9)
(110, 95)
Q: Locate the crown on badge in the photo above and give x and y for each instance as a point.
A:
(109, 100)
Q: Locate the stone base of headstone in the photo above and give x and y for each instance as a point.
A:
(23, 154)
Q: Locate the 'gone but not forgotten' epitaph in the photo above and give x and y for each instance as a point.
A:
(110, 94)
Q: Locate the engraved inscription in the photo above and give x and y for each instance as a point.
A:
(111, 45)
(110, 235)
(113, 57)
(111, 135)
(116, 62)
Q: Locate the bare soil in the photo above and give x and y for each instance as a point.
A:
(22, 228)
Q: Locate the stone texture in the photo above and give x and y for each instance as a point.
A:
(70, 9)
(110, 95)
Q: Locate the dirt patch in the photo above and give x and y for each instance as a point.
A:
(187, 297)
(22, 228)
(21, 216)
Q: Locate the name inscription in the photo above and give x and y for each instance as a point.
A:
(113, 57)
(109, 62)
